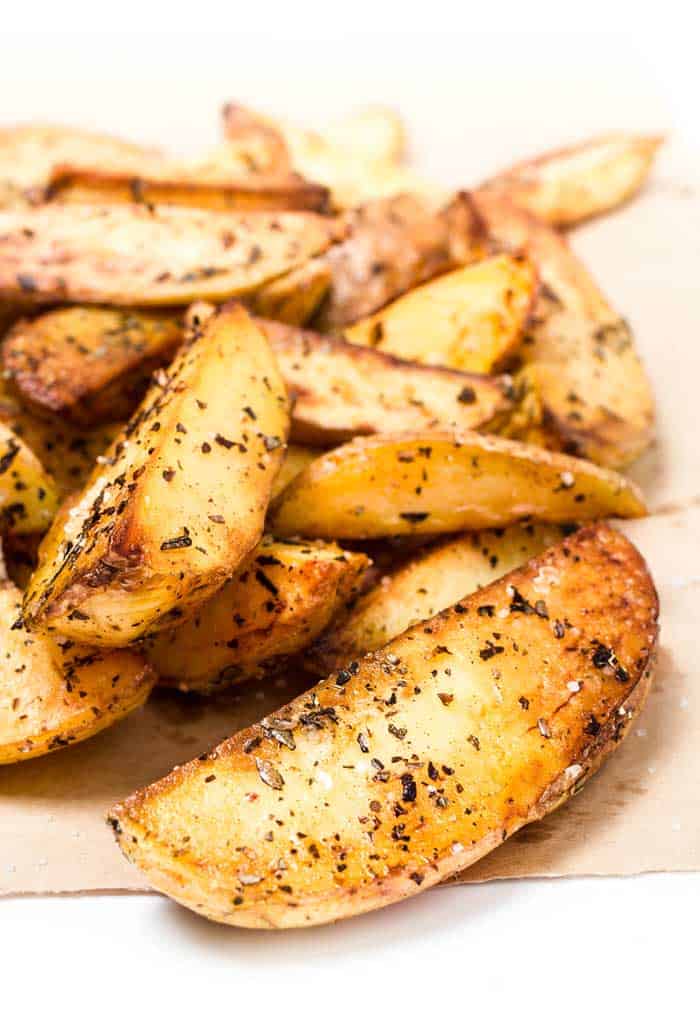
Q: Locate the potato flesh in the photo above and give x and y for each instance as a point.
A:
(439, 482)
(342, 390)
(295, 297)
(282, 597)
(28, 495)
(89, 364)
(568, 186)
(128, 255)
(179, 499)
(432, 581)
(470, 319)
(54, 693)
(418, 760)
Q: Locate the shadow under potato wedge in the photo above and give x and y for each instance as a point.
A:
(429, 482)
(469, 319)
(340, 390)
(53, 692)
(281, 598)
(567, 186)
(179, 499)
(431, 581)
(415, 761)
(130, 255)
(581, 371)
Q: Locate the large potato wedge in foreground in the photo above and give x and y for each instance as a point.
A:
(567, 186)
(54, 692)
(341, 390)
(430, 582)
(88, 364)
(28, 494)
(281, 598)
(416, 761)
(179, 499)
(438, 482)
(580, 362)
(470, 319)
(130, 255)
(393, 245)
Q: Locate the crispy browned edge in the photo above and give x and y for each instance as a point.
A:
(382, 892)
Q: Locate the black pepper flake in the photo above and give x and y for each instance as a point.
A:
(409, 790)
(593, 726)
(265, 581)
(414, 517)
(398, 732)
(524, 703)
(269, 774)
(559, 629)
(416, 877)
(224, 441)
(490, 650)
(271, 442)
(168, 475)
(362, 742)
(26, 282)
(183, 541)
(486, 610)
(467, 395)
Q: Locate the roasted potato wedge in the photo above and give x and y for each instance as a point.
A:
(130, 255)
(198, 189)
(567, 186)
(443, 482)
(28, 494)
(430, 582)
(342, 390)
(393, 245)
(179, 499)
(281, 598)
(88, 364)
(470, 319)
(580, 362)
(29, 152)
(54, 693)
(293, 298)
(296, 458)
(416, 761)
(252, 141)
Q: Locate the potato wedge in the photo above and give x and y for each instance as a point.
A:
(186, 187)
(281, 598)
(341, 390)
(132, 256)
(470, 319)
(579, 356)
(432, 482)
(28, 495)
(29, 152)
(393, 245)
(88, 364)
(179, 499)
(567, 186)
(296, 458)
(293, 298)
(252, 141)
(416, 761)
(54, 693)
(430, 582)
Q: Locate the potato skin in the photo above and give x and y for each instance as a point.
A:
(278, 601)
(129, 255)
(431, 482)
(179, 499)
(274, 829)
(341, 390)
(54, 693)
(567, 186)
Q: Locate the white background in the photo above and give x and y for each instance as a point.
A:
(478, 89)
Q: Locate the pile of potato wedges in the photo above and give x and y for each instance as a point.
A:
(292, 408)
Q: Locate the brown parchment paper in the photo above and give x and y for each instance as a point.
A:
(642, 811)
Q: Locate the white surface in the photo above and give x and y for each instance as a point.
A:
(550, 950)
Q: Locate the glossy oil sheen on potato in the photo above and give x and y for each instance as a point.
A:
(53, 692)
(441, 482)
(414, 762)
(178, 500)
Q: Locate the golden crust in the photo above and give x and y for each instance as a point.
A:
(417, 760)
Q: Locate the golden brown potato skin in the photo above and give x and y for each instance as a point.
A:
(470, 319)
(591, 394)
(394, 244)
(88, 364)
(390, 777)
(567, 186)
(28, 494)
(428, 583)
(295, 297)
(130, 255)
(54, 693)
(278, 601)
(431, 482)
(179, 499)
(341, 390)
